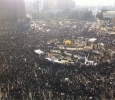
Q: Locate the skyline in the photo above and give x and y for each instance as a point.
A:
(95, 2)
(91, 2)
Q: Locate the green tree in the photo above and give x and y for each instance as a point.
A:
(66, 11)
(59, 15)
(73, 14)
(87, 15)
(100, 14)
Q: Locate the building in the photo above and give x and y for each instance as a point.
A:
(7, 10)
(20, 10)
(12, 10)
(36, 5)
(44, 5)
(109, 14)
(47, 5)
(33, 6)
(30, 6)
(65, 4)
(40, 5)
(58, 4)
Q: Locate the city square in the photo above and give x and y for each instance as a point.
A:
(59, 58)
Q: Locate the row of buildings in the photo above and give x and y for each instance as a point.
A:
(59, 4)
(15, 10)
(43, 5)
(12, 10)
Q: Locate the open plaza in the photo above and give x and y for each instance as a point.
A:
(57, 60)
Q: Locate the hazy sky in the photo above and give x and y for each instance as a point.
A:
(95, 2)
(92, 2)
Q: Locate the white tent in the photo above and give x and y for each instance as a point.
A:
(92, 39)
(48, 59)
(56, 60)
(39, 52)
(66, 79)
(74, 26)
(88, 62)
(96, 51)
(102, 44)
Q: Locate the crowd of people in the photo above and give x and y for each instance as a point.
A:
(26, 76)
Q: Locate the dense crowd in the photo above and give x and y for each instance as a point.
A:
(25, 76)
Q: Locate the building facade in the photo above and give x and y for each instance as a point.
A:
(109, 14)
(40, 5)
(20, 10)
(63, 4)
(30, 6)
(58, 4)
(12, 10)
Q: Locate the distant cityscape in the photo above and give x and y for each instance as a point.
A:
(43, 5)
(16, 10)
(12, 10)
(57, 50)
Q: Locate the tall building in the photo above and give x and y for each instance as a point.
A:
(58, 4)
(46, 5)
(52, 5)
(30, 6)
(40, 5)
(12, 10)
(20, 10)
(62, 4)
(36, 5)
(43, 5)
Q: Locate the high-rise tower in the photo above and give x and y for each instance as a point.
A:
(12, 10)
(20, 10)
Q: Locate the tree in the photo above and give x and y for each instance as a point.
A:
(82, 15)
(59, 15)
(66, 11)
(87, 15)
(100, 14)
(73, 14)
